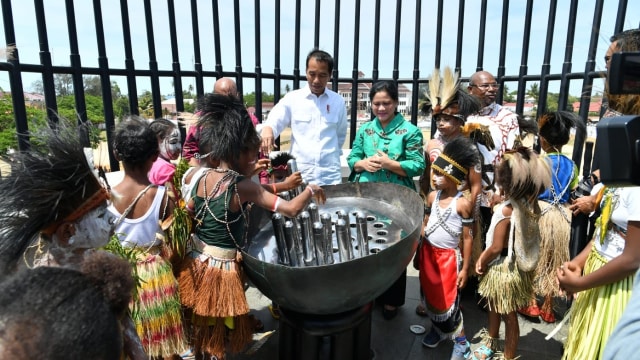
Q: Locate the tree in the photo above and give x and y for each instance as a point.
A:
(92, 85)
(508, 96)
(63, 84)
(8, 137)
(534, 92)
(287, 88)
(250, 98)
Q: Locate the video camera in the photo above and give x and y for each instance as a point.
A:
(619, 137)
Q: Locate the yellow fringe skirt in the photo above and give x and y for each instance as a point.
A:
(555, 232)
(595, 313)
(212, 288)
(506, 287)
(156, 310)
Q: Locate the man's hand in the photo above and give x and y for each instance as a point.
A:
(294, 180)
(267, 144)
(585, 205)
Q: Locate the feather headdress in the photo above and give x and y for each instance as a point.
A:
(442, 90)
(49, 184)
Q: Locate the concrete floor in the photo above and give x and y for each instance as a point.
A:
(392, 339)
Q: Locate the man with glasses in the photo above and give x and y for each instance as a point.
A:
(503, 126)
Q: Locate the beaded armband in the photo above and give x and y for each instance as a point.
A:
(467, 221)
(427, 210)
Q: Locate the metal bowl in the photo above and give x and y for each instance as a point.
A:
(342, 286)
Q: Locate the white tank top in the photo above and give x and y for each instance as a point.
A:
(144, 231)
(185, 188)
(444, 227)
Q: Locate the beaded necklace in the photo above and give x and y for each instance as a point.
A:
(229, 176)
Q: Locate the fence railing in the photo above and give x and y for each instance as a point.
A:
(407, 32)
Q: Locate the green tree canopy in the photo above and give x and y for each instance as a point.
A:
(8, 136)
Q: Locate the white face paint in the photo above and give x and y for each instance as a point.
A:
(170, 146)
(93, 229)
(438, 180)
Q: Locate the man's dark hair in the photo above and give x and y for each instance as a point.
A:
(321, 56)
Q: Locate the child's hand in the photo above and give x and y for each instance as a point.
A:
(480, 267)
(462, 279)
(569, 278)
(261, 165)
(318, 193)
(294, 180)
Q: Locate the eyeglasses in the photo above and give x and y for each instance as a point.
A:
(447, 117)
(485, 87)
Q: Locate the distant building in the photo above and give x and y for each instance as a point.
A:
(594, 107)
(363, 102)
(169, 105)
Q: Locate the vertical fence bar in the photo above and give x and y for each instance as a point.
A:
(15, 78)
(503, 51)
(45, 60)
(236, 16)
(416, 65)
(197, 57)
(276, 60)
(132, 88)
(622, 11)
(78, 87)
(216, 37)
(105, 82)
(481, 34)
(296, 52)
(153, 63)
(355, 101)
(439, 36)
(458, 67)
(396, 49)
(316, 30)
(336, 46)
(177, 73)
(376, 42)
(544, 81)
(258, 61)
(587, 82)
(522, 84)
(568, 55)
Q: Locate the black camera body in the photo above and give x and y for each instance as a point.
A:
(619, 137)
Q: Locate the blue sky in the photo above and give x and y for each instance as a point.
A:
(28, 45)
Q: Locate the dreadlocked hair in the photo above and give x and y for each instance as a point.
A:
(226, 129)
(134, 143)
(629, 104)
(45, 185)
(281, 159)
(462, 151)
(523, 175)
(555, 127)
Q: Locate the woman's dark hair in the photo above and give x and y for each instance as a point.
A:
(59, 313)
(162, 128)
(226, 129)
(555, 127)
(134, 142)
(387, 86)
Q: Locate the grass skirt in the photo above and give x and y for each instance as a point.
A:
(213, 290)
(555, 232)
(505, 287)
(157, 311)
(595, 313)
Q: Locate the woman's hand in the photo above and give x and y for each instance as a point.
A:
(371, 164)
(569, 278)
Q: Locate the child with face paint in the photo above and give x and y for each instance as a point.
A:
(140, 206)
(444, 266)
(170, 147)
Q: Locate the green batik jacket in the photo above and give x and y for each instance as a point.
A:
(400, 140)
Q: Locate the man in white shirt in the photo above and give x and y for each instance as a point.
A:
(317, 117)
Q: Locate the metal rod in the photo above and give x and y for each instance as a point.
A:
(345, 251)
(327, 237)
(319, 242)
(362, 234)
(277, 220)
(306, 232)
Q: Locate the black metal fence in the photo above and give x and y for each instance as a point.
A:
(415, 29)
